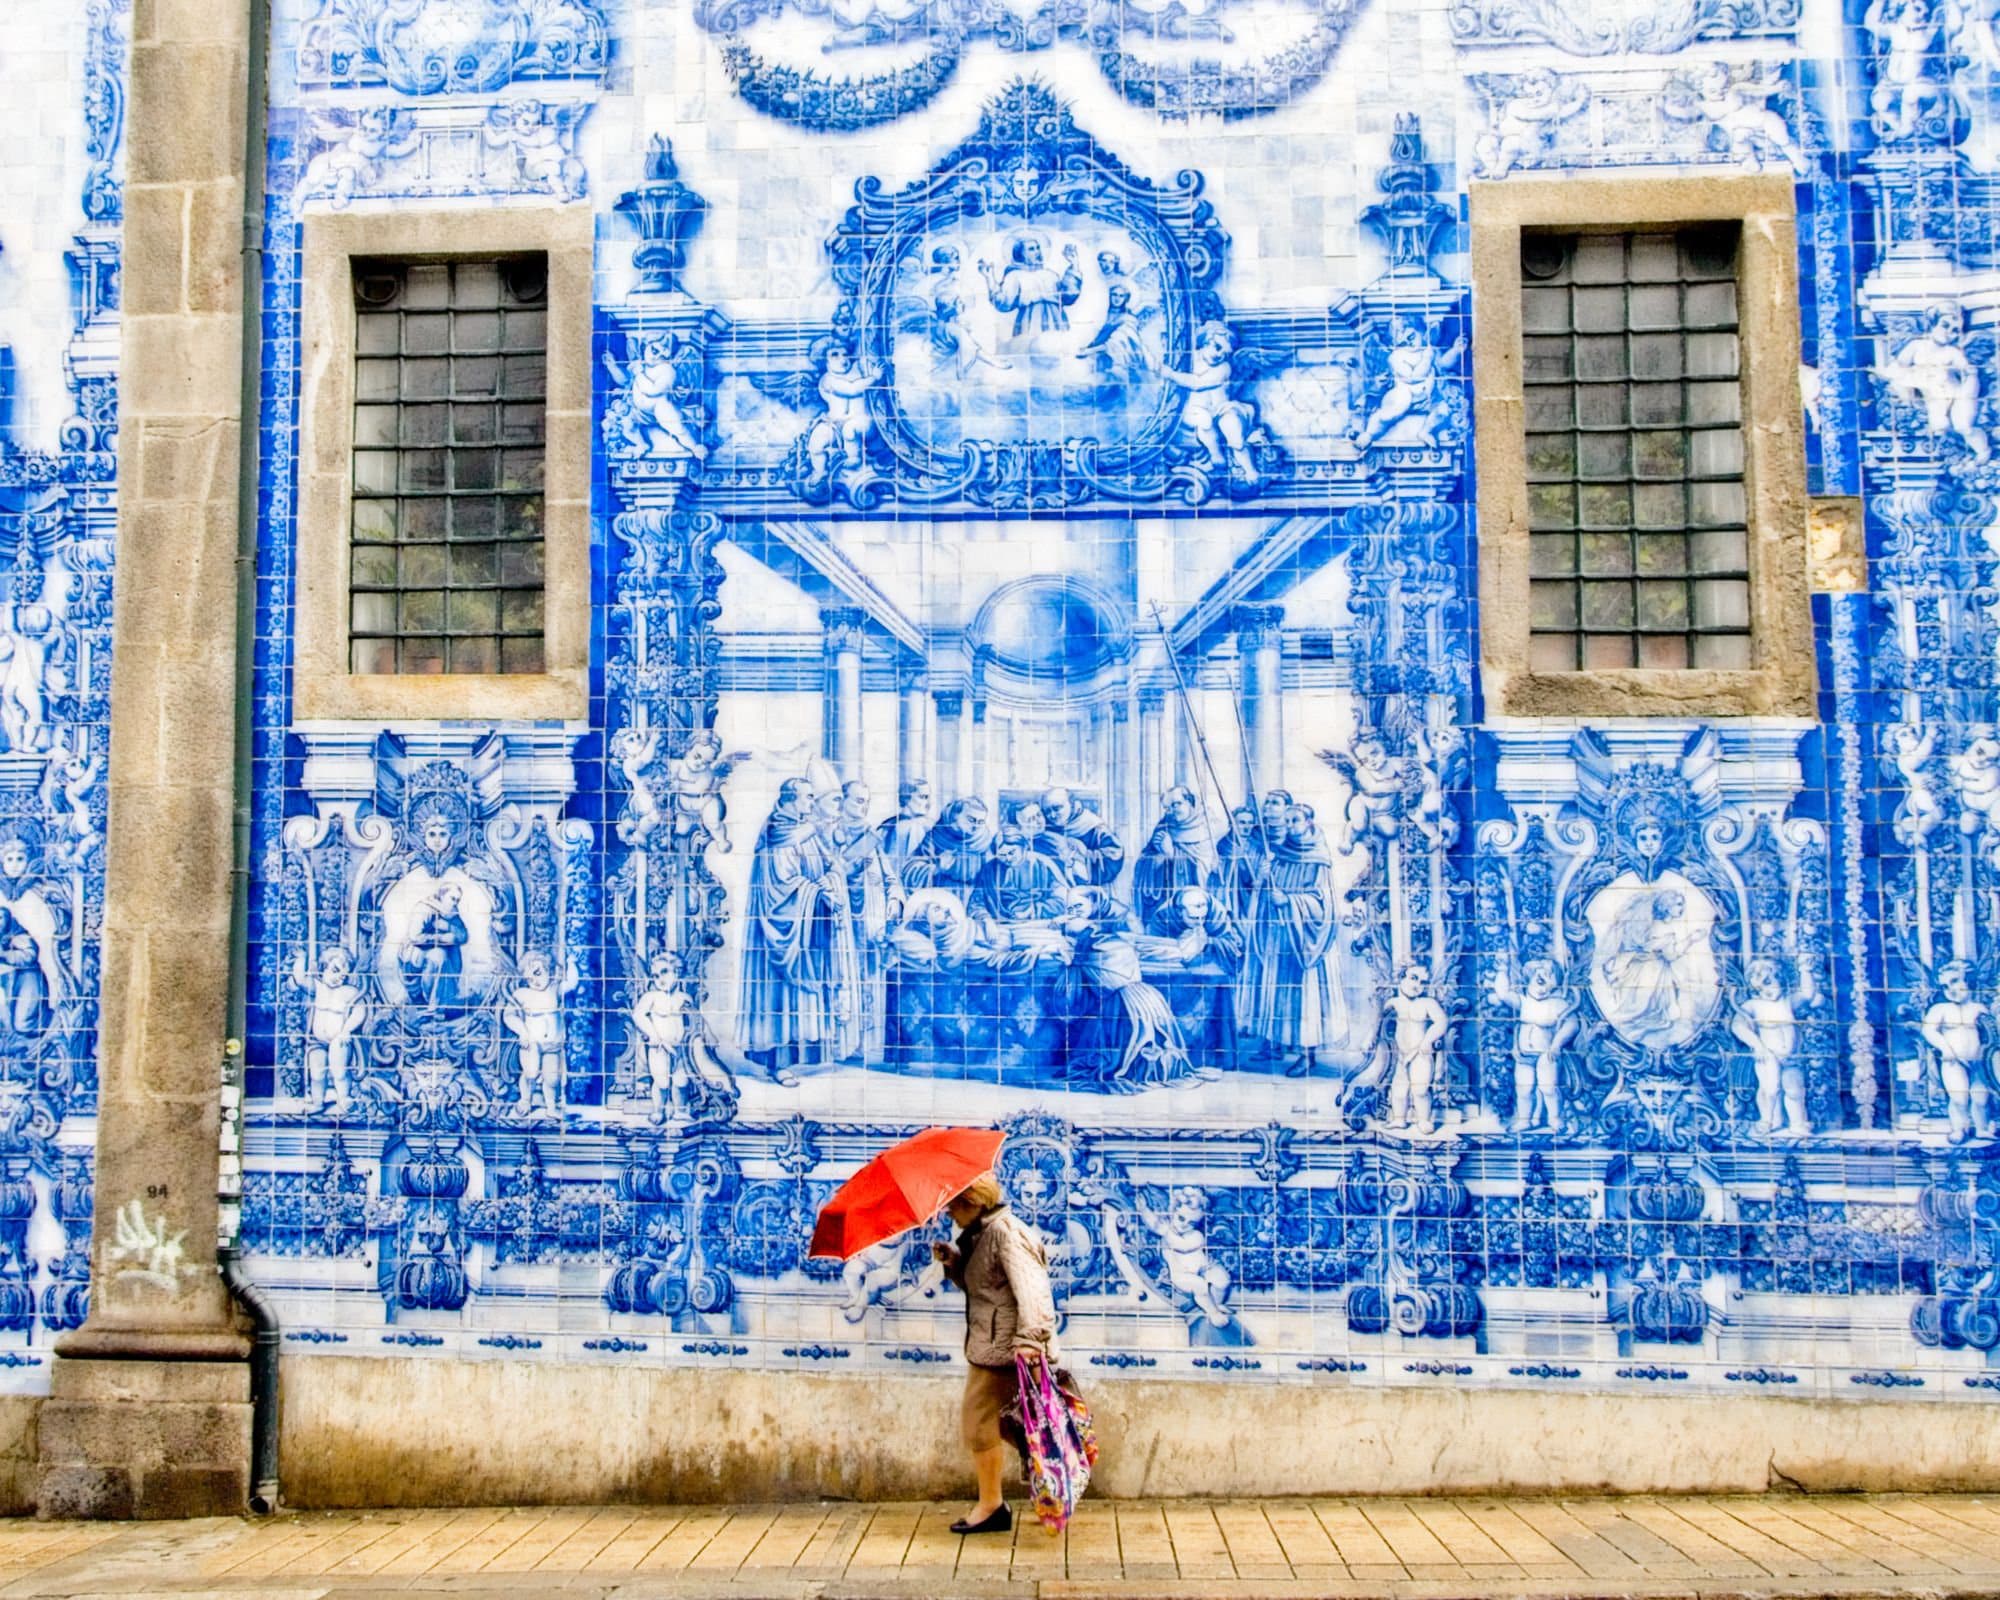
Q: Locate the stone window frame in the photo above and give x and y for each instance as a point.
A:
(1782, 679)
(324, 689)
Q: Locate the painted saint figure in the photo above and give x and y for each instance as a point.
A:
(954, 849)
(1035, 292)
(1095, 849)
(1118, 349)
(1179, 855)
(1288, 994)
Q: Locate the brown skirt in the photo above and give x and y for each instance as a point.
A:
(988, 1392)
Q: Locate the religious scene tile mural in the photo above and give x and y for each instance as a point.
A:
(1035, 683)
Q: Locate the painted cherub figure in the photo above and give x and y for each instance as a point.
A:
(1548, 1021)
(1975, 773)
(533, 1014)
(838, 438)
(1525, 119)
(539, 134)
(681, 1071)
(1416, 368)
(337, 1014)
(1419, 1024)
(1182, 1232)
(1910, 750)
(356, 153)
(1933, 371)
(1766, 1025)
(1954, 1027)
(1224, 427)
(1379, 779)
(651, 420)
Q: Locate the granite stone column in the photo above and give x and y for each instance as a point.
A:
(149, 1412)
(844, 633)
(1260, 645)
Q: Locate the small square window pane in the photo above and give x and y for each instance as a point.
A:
(1551, 505)
(1659, 455)
(377, 333)
(375, 427)
(423, 470)
(1713, 503)
(422, 611)
(1663, 651)
(1715, 402)
(1729, 652)
(476, 470)
(1726, 552)
(1605, 505)
(423, 566)
(1598, 258)
(520, 470)
(475, 332)
(1656, 356)
(374, 521)
(521, 610)
(372, 566)
(426, 336)
(475, 422)
(1600, 310)
(1551, 555)
(1545, 360)
(1601, 356)
(374, 613)
(525, 330)
(521, 424)
(375, 380)
(1605, 555)
(1655, 403)
(474, 610)
(521, 516)
(1721, 603)
(426, 379)
(1550, 408)
(1663, 605)
(1711, 355)
(427, 286)
(1551, 606)
(1655, 258)
(521, 655)
(475, 655)
(374, 472)
(1543, 310)
(1659, 505)
(522, 563)
(1607, 605)
(1552, 652)
(1601, 405)
(475, 376)
(474, 518)
(1716, 453)
(423, 655)
(1662, 554)
(1602, 652)
(1656, 305)
(423, 425)
(372, 655)
(1551, 455)
(474, 565)
(423, 519)
(1604, 455)
(476, 283)
(1711, 305)
(527, 377)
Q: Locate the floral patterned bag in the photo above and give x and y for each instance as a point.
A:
(1053, 1432)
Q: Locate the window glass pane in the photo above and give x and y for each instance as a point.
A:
(450, 363)
(1635, 442)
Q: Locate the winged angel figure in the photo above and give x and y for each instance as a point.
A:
(1219, 411)
(355, 148)
(833, 451)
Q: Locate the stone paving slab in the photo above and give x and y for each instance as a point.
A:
(1656, 1547)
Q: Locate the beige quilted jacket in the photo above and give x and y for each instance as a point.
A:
(1007, 1296)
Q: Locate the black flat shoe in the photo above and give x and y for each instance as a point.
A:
(1001, 1521)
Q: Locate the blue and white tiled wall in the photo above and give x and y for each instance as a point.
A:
(1075, 399)
(61, 203)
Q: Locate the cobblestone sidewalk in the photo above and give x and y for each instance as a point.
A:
(1849, 1545)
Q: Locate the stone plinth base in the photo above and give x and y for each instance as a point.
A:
(439, 1432)
(136, 1438)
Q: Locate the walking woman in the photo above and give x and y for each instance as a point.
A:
(1003, 1268)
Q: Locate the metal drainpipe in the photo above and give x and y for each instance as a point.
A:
(229, 1182)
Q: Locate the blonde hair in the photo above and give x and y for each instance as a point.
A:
(983, 1192)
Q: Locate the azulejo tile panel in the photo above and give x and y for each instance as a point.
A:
(1035, 683)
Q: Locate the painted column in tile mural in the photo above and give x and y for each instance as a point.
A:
(59, 299)
(1033, 684)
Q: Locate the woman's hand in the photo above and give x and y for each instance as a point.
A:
(945, 1255)
(1023, 1351)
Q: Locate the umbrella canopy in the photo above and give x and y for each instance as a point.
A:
(903, 1188)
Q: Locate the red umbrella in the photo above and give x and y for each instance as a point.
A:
(903, 1188)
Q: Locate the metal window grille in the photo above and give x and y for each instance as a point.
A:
(1639, 548)
(450, 391)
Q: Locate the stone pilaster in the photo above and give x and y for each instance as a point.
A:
(150, 1414)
